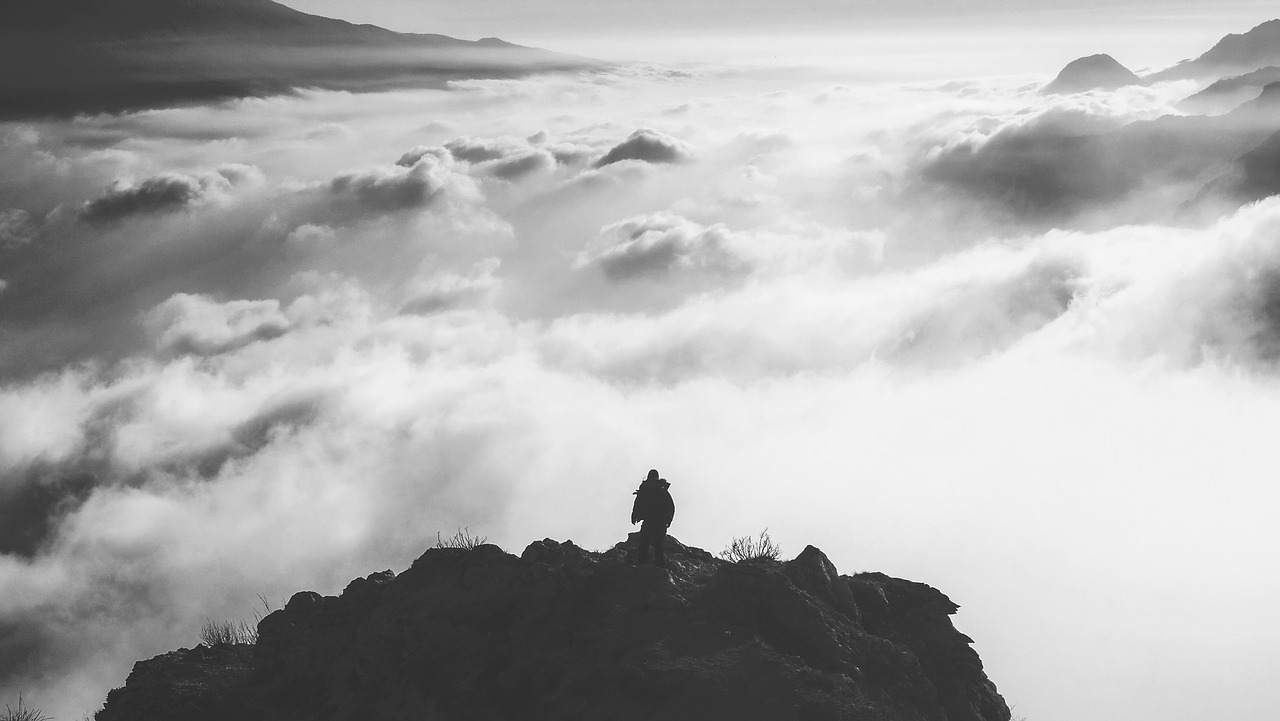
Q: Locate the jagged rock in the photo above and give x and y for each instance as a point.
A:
(1096, 72)
(564, 633)
(199, 684)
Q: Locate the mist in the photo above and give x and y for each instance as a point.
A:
(272, 344)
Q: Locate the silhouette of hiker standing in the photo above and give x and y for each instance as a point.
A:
(655, 507)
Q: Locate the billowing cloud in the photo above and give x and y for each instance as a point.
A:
(384, 190)
(478, 150)
(197, 324)
(504, 157)
(413, 157)
(164, 193)
(298, 368)
(650, 146)
(518, 166)
(656, 245)
(1056, 165)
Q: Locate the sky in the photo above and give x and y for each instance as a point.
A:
(1011, 35)
(274, 344)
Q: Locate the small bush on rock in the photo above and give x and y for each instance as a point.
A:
(22, 713)
(462, 539)
(746, 548)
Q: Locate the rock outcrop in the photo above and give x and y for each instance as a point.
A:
(1096, 72)
(564, 633)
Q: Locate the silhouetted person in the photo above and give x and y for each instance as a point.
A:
(653, 506)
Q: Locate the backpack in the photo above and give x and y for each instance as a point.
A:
(653, 503)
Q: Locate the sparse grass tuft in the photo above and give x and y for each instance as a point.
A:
(213, 632)
(22, 713)
(462, 539)
(746, 548)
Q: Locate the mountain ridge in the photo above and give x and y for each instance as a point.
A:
(67, 57)
(562, 632)
(1234, 54)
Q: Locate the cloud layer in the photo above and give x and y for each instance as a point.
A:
(964, 333)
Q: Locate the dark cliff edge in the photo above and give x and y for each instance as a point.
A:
(564, 633)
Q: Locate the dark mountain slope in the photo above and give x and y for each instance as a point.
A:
(72, 56)
(171, 19)
(563, 633)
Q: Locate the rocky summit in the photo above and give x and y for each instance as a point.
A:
(560, 632)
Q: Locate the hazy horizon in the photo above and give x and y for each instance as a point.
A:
(1151, 33)
(271, 344)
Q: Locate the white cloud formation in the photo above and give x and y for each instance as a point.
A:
(650, 146)
(362, 328)
(660, 244)
(196, 324)
(165, 193)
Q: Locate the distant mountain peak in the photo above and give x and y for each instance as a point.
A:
(1095, 72)
(1245, 49)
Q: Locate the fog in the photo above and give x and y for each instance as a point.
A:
(273, 344)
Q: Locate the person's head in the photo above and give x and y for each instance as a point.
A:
(653, 474)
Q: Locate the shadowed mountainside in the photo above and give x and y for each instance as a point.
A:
(62, 57)
(1230, 92)
(561, 632)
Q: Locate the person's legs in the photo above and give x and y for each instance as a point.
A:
(652, 534)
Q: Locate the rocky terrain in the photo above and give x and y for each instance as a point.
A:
(564, 633)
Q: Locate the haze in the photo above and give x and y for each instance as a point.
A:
(272, 344)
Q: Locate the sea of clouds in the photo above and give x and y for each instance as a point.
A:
(276, 344)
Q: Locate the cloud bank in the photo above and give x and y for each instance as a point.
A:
(962, 332)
